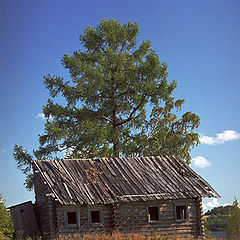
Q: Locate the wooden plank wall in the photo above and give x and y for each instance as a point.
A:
(24, 221)
(133, 217)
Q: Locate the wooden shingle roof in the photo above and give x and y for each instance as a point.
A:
(112, 180)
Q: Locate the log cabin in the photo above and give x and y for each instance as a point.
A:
(144, 195)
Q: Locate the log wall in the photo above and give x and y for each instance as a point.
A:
(85, 226)
(133, 217)
(44, 206)
(200, 217)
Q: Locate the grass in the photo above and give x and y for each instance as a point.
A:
(119, 236)
(132, 236)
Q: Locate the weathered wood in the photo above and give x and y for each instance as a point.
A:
(52, 220)
(132, 217)
(45, 205)
(24, 221)
(113, 178)
(85, 226)
(200, 217)
(122, 189)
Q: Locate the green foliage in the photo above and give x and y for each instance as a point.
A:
(169, 135)
(3, 237)
(217, 223)
(6, 226)
(24, 160)
(115, 84)
(217, 219)
(226, 210)
(224, 219)
(233, 229)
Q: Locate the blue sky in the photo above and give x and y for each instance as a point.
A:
(198, 39)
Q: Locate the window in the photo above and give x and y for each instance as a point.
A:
(181, 212)
(95, 217)
(153, 214)
(71, 217)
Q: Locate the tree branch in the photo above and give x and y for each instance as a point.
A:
(125, 93)
(107, 119)
(131, 114)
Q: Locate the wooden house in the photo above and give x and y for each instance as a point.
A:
(145, 195)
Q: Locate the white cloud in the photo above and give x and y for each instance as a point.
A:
(214, 203)
(201, 162)
(228, 135)
(42, 116)
(207, 140)
(221, 138)
(211, 204)
(226, 204)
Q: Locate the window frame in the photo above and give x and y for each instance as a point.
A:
(184, 204)
(101, 216)
(71, 209)
(148, 214)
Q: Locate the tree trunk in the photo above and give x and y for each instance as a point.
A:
(116, 148)
(115, 139)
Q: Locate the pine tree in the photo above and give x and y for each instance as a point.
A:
(234, 222)
(118, 102)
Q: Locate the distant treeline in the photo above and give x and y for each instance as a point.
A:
(217, 218)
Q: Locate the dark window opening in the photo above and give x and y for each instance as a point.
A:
(72, 217)
(95, 216)
(21, 210)
(153, 213)
(181, 212)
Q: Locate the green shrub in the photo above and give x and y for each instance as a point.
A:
(6, 226)
(4, 237)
